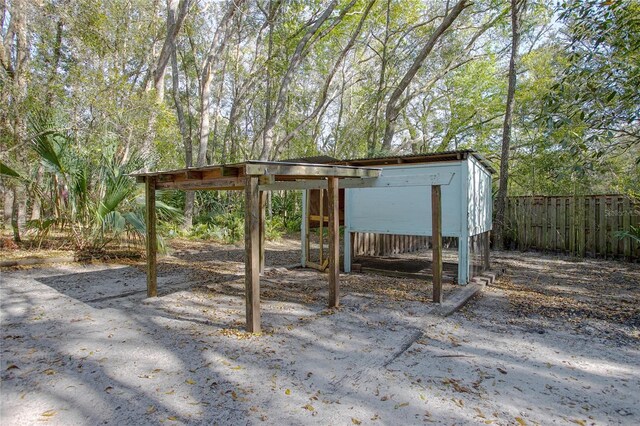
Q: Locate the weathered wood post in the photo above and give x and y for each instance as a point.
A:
(152, 242)
(334, 243)
(436, 231)
(252, 253)
(486, 251)
(321, 228)
(262, 208)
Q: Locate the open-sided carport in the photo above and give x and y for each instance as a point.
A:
(256, 177)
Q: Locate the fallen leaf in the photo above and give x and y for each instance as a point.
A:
(49, 372)
(49, 413)
(172, 418)
(355, 421)
(308, 407)
(190, 382)
(402, 404)
(521, 421)
(151, 409)
(579, 422)
(287, 392)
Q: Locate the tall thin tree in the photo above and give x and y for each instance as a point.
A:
(517, 8)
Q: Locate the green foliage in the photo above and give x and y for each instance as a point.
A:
(94, 200)
(632, 234)
(593, 106)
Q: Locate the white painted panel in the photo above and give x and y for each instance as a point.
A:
(406, 210)
(480, 201)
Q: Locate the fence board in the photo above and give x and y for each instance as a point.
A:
(577, 225)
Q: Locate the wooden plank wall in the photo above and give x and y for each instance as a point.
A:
(581, 226)
(370, 244)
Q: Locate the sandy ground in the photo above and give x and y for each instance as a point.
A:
(555, 341)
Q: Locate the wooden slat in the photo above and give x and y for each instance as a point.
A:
(572, 225)
(486, 263)
(233, 183)
(334, 243)
(602, 226)
(152, 242)
(553, 237)
(252, 255)
(613, 225)
(562, 226)
(593, 241)
(581, 226)
(626, 222)
(436, 226)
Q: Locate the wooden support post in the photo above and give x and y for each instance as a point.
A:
(486, 251)
(252, 255)
(436, 226)
(262, 210)
(307, 231)
(334, 243)
(321, 228)
(304, 231)
(152, 242)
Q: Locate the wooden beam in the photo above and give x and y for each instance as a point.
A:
(233, 183)
(334, 243)
(304, 230)
(252, 255)
(321, 226)
(152, 242)
(436, 226)
(425, 179)
(283, 169)
(262, 208)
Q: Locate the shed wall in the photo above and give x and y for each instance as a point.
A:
(406, 210)
(480, 203)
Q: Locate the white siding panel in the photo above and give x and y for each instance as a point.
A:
(406, 210)
(480, 201)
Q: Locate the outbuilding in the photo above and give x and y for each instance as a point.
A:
(398, 203)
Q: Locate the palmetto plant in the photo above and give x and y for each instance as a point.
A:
(91, 198)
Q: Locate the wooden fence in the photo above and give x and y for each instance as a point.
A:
(581, 225)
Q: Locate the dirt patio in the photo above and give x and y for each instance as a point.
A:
(553, 341)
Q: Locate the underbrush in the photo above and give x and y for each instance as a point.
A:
(225, 228)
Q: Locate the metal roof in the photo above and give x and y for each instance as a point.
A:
(431, 157)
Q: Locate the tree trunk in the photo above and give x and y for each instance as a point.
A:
(184, 133)
(7, 207)
(215, 52)
(393, 108)
(320, 103)
(302, 48)
(19, 212)
(501, 199)
(19, 23)
(372, 140)
(157, 73)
